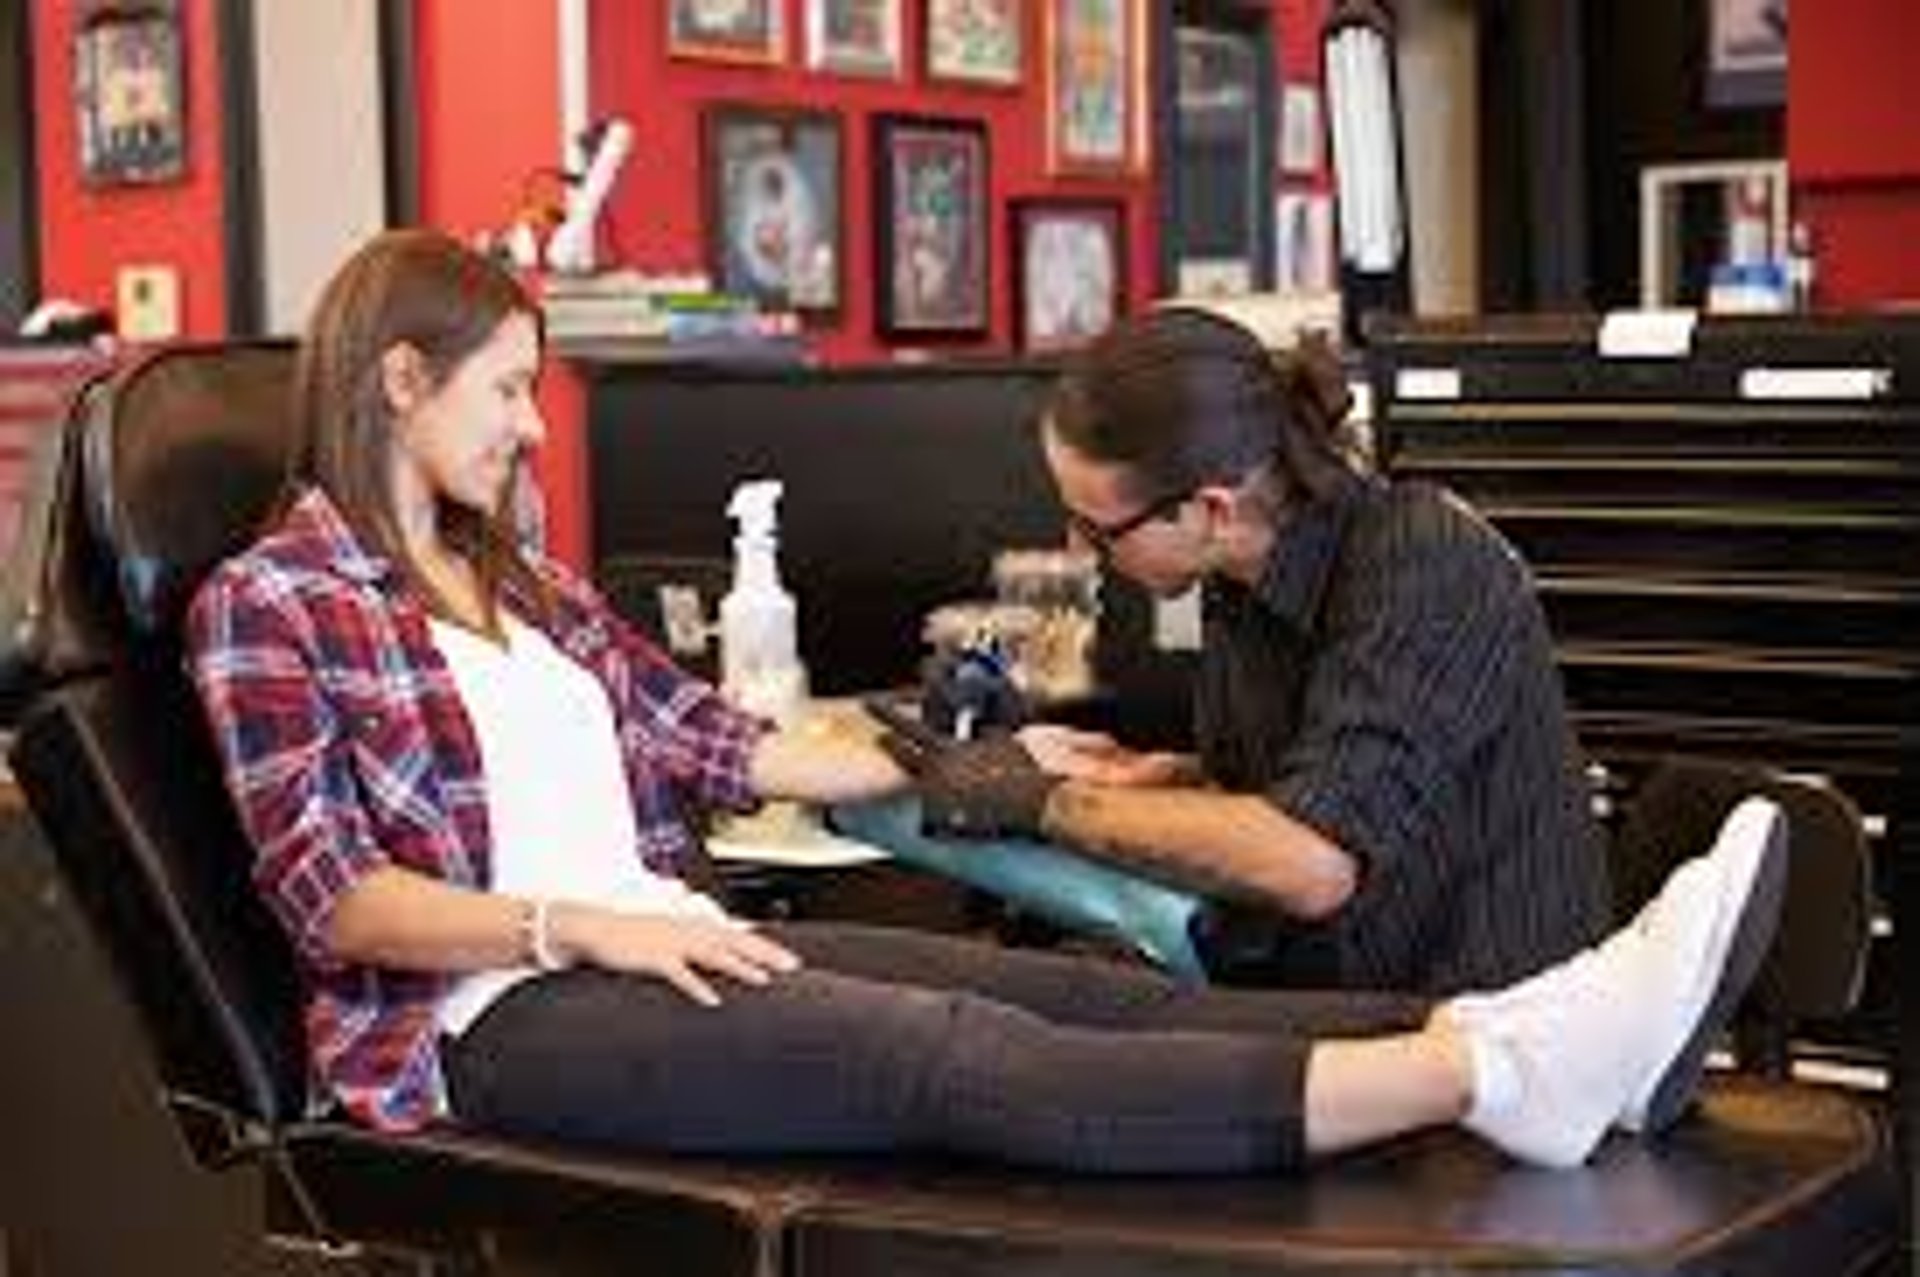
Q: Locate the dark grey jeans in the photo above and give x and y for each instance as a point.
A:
(899, 1040)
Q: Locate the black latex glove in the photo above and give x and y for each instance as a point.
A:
(989, 787)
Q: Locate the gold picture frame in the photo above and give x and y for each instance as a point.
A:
(750, 32)
(1096, 54)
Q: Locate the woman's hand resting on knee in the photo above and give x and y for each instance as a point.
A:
(399, 918)
(681, 951)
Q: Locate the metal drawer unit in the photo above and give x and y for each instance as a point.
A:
(1727, 544)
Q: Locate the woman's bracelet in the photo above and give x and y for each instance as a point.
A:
(536, 934)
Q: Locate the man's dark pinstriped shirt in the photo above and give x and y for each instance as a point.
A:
(1390, 682)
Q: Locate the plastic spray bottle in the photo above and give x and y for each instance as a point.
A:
(760, 671)
(760, 668)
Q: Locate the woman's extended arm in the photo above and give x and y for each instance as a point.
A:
(823, 762)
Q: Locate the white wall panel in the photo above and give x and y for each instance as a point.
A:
(1440, 96)
(322, 176)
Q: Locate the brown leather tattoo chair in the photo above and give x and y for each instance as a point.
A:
(167, 467)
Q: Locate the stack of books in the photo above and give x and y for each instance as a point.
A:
(628, 306)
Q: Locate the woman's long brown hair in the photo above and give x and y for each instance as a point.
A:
(428, 291)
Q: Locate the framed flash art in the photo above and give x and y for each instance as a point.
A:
(746, 31)
(976, 42)
(854, 37)
(1096, 56)
(130, 92)
(773, 207)
(930, 217)
(1069, 270)
(1746, 52)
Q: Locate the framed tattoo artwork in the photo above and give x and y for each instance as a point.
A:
(1303, 242)
(930, 218)
(854, 37)
(1746, 52)
(1096, 53)
(130, 93)
(1069, 270)
(1302, 145)
(746, 31)
(976, 42)
(773, 206)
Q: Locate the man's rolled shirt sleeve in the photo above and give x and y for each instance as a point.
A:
(1414, 673)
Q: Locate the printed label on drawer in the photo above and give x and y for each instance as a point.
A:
(1647, 334)
(1816, 383)
(1427, 383)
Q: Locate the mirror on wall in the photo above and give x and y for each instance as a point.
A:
(1714, 235)
(1219, 240)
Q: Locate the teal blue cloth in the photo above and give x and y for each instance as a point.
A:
(1062, 886)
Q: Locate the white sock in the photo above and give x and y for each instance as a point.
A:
(1496, 1079)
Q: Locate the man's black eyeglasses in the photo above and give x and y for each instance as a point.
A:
(1105, 536)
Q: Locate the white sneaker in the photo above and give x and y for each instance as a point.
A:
(1620, 1032)
(1751, 848)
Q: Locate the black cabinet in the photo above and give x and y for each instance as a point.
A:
(1727, 543)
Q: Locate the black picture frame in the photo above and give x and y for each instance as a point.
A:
(1069, 270)
(1746, 53)
(130, 94)
(775, 206)
(932, 264)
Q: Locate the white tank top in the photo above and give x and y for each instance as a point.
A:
(558, 805)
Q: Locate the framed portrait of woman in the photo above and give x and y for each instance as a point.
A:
(930, 273)
(1096, 56)
(976, 42)
(773, 212)
(1069, 270)
(748, 31)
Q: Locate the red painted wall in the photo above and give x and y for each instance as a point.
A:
(1853, 145)
(657, 208)
(489, 108)
(1864, 237)
(1297, 38)
(489, 115)
(87, 234)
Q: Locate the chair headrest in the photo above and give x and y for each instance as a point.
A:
(183, 458)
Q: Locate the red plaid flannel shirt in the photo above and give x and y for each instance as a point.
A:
(346, 748)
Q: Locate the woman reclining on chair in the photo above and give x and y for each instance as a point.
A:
(468, 782)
